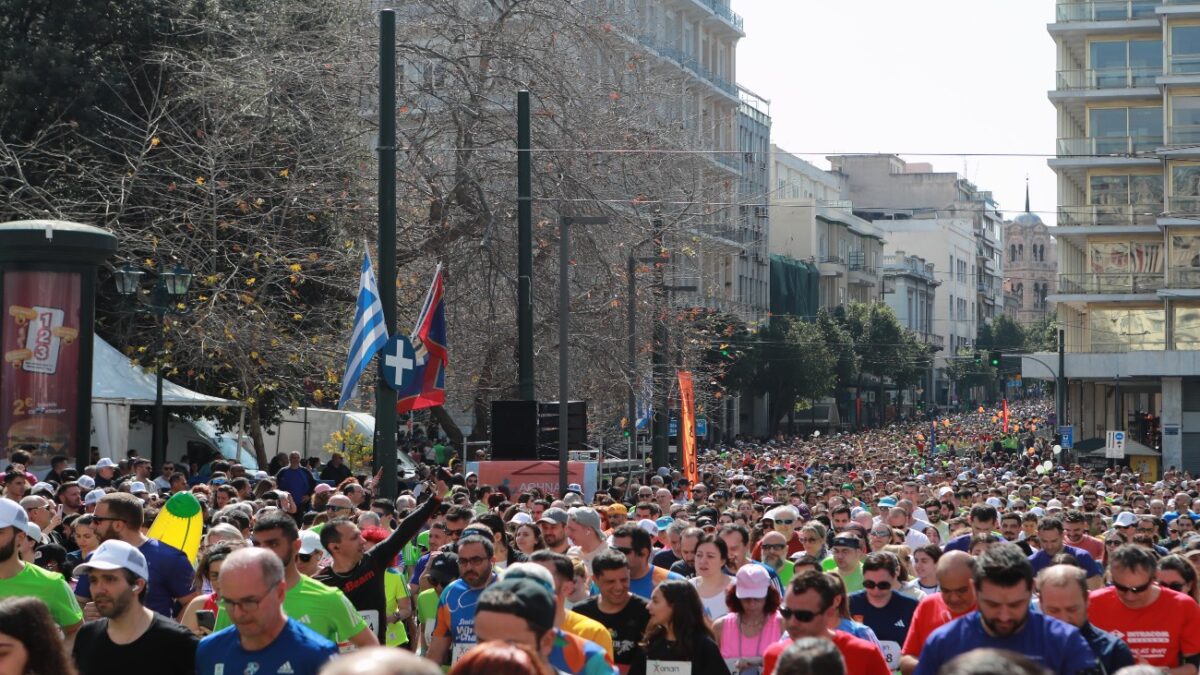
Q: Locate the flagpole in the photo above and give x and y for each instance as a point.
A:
(385, 396)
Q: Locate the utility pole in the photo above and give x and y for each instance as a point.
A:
(631, 348)
(1060, 384)
(385, 396)
(564, 331)
(524, 249)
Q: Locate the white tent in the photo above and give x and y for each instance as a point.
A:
(117, 384)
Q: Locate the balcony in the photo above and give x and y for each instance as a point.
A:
(1109, 215)
(1183, 64)
(1117, 283)
(723, 11)
(1187, 206)
(1109, 146)
(1184, 277)
(1118, 10)
(689, 63)
(1183, 134)
(1106, 78)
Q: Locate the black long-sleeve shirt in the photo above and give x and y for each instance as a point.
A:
(705, 658)
(364, 585)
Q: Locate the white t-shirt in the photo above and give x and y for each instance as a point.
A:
(714, 607)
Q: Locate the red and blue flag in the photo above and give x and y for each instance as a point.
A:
(428, 385)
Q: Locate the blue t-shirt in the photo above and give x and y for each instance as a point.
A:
(1056, 645)
(1111, 651)
(298, 482)
(297, 650)
(1041, 560)
(960, 543)
(171, 577)
(891, 622)
(644, 586)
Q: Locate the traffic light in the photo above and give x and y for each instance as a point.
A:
(978, 359)
(994, 359)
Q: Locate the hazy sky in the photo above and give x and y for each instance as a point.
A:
(962, 77)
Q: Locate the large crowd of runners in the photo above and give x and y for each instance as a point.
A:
(949, 545)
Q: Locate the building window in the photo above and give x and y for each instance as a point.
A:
(1185, 260)
(1117, 64)
(1125, 130)
(1126, 329)
(1126, 200)
(1185, 49)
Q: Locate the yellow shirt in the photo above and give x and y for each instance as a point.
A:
(589, 629)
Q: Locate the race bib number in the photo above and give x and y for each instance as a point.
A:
(371, 616)
(745, 666)
(460, 649)
(891, 654)
(668, 667)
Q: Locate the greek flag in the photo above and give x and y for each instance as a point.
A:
(369, 336)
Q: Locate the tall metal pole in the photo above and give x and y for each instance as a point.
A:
(385, 396)
(564, 319)
(631, 347)
(158, 448)
(662, 387)
(1060, 384)
(524, 250)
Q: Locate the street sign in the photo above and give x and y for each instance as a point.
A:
(673, 427)
(1114, 445)
(1068, 437)
(701, 427)
(398, 362)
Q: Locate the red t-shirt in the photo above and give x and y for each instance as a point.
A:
(1092, 545)
(931, 613)
(861, 657)
(1158, 633)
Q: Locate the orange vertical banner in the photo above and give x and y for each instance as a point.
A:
(687, 428)
(1006, 416)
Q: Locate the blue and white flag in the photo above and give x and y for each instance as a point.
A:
(370, 333)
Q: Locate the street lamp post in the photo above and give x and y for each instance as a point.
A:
(166, 299)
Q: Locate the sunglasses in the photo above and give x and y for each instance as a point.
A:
(1133, 590)
(880, 533)
(784, 522)
(881, 585)
(1112, 543)
(801, 615)
(774, 546)
(304, 557)
(1176, 586)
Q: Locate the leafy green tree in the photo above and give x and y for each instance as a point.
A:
(1003, 334)
(840, 343)
(1042, 335)
(789, 361)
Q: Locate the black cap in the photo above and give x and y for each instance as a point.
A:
(531, 601)
(443, 568)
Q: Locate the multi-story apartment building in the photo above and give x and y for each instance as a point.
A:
(1030, 268)
(887, 187)
(812, 222)
(910, 289)
(698, 38)
(1127, 99)
(753, 293)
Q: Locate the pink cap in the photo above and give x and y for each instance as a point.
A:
(322, 487)
(753, 581)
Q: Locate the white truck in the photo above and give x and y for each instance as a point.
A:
(309, 430)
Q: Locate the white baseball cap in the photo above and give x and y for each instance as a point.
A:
(309, 542)
(105, 463)
(115, 554)
(12, 515)
(521, 518)
(86, 482)
(93, 497)
(137, 486)
(1125, 519)
(34, 532)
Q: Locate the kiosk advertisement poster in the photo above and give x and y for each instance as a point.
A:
(39, 332)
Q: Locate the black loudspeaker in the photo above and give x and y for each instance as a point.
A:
(514, 430)
(576, 425)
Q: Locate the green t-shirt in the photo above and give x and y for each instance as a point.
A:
(395, 588)
(853, 580)
(427, 602)
(322, 608)
(786, 572)
(50, 587)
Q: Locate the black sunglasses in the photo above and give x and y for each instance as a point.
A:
(801, 615)
(304, 557)
(1176, 586)
(881, 585)
(1133, 590)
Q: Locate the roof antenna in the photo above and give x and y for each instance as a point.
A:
(1026, 193)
